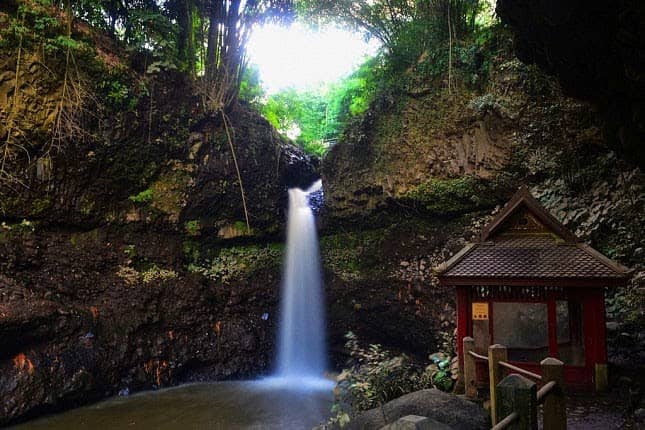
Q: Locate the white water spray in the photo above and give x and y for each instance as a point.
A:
(301, 353)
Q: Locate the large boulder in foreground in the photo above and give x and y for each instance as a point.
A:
(445, 408)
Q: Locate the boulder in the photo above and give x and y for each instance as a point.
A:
(415, 422)
(445, 408)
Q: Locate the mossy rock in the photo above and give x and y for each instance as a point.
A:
(453, 196)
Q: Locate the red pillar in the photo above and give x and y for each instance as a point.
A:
(595, 333)
(463, 317)
(552, 329)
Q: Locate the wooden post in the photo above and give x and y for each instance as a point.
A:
(496, 353)
(518, 394)
(555, 411)
(469, 371)
(600, 377)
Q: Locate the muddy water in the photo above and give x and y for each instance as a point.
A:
(214, 406)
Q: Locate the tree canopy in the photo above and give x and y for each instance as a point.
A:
(421, 41)
(205, 38)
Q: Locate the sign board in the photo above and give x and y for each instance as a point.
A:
(480, 311)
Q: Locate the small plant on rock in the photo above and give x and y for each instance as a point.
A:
(375, 376)
(156, 273)
(144, 196)
(192, 227)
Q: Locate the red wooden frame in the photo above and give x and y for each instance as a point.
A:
(579, 378)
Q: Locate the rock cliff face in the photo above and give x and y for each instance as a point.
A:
(596, 50)
(76, 328)
(109, 140)
(462, 141)
(269, 165)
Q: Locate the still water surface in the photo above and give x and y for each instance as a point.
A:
(213, 406)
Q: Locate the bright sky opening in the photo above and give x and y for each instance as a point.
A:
(300, 57)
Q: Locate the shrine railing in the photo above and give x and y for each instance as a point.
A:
(514, 400)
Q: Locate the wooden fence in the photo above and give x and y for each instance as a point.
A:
(514, 399)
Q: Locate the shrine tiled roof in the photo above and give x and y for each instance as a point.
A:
(525, 242)
(531, 256)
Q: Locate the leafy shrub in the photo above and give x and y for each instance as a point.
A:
(22, 229)
(132, 276)
(156, 273)
(376, 376)
(129, 275)
(130, 251)
(237, 262)
(191, 251)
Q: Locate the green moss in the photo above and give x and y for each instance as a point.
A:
(144, 196)
(239, 262)
(242, 227)
(38, 206)
(239, 225)
(168, 192)
(167, 195)
(350, 255)
(191, 251)
(192, 227)
(451, 196)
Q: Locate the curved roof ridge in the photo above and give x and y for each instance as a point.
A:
(523, 197)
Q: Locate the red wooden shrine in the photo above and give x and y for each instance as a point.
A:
(528, 283)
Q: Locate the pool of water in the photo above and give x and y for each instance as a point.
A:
(269, 404)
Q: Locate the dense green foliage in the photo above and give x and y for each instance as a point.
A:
(390, 20)
(204, 38)
(316, 118)
(425, 45)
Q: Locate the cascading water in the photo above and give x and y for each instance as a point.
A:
(301, 353)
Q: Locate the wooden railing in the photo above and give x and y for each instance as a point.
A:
(514, 399)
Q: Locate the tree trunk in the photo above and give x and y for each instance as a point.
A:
(185, 45)
(213, 42)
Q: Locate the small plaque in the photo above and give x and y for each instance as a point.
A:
(480, 311)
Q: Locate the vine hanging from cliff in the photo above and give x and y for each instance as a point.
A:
(43, 46)
(74, 95)
(10, 145)
(229, 129)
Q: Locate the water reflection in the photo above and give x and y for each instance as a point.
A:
(225, 405)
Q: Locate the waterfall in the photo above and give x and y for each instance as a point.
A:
(301, 353)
